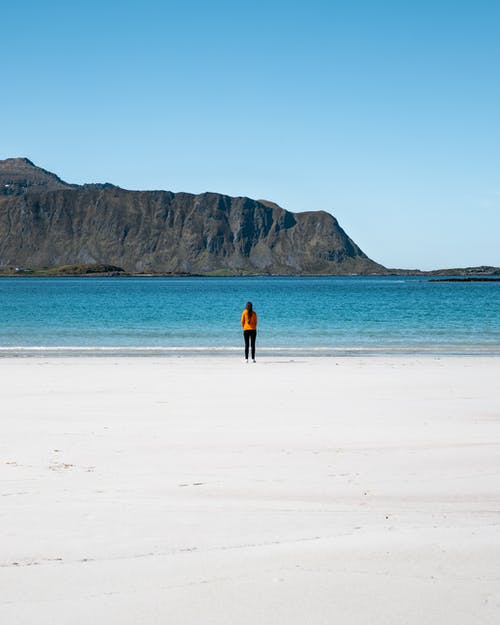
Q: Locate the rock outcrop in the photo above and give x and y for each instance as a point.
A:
(46, 222)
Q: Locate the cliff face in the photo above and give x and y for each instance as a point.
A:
(46, 222)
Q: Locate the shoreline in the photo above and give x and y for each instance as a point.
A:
(228, 352)
(465, 274)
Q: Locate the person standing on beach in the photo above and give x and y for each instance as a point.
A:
(249, 325)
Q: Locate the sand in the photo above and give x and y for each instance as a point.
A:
(206, 491)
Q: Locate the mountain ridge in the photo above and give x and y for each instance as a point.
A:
(45, 221)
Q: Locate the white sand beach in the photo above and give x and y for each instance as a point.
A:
(204, 491)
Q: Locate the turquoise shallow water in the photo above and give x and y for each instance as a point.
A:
(325, 315)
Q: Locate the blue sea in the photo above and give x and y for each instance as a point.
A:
(297, 315)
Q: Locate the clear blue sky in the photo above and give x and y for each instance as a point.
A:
(386, 114)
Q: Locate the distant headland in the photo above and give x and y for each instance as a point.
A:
(50, 227)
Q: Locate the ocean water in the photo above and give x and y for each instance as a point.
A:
(297, 315)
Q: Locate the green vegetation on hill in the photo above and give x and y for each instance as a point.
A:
(65, 270)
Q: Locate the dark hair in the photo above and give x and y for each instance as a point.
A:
(249, 308)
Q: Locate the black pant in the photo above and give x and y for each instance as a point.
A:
(250, 335)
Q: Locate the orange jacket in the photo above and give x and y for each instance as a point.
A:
(246, 323)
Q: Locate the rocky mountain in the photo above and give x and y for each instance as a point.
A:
(18, 175)
(45, 222)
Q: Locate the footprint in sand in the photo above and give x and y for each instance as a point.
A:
(60, 466)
